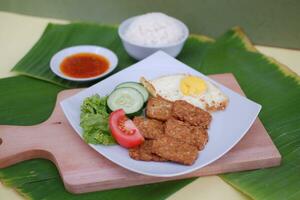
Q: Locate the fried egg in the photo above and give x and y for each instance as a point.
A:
(193, 89)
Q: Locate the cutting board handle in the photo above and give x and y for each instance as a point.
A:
(45, 140)
(19, 143)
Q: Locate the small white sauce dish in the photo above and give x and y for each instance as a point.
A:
(57, 59)
(140, 52)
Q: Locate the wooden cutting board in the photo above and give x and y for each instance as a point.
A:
(84, 170)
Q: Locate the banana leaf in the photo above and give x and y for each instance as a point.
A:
(57, 37)
(262, 79)
(277, 89)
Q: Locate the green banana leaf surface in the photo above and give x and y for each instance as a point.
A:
(263, 80)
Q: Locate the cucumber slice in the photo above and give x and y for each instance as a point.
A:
(136, 86)
(126, 98)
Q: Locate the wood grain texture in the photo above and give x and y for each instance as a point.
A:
(84, 170)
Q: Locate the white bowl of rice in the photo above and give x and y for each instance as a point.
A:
(145, 34)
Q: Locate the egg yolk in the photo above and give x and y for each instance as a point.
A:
(192, 85)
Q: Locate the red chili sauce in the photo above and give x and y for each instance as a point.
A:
(84, 65)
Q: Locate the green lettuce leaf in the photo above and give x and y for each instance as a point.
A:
(94, 121)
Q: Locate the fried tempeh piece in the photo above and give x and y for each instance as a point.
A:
(188, 113)
(150, 128)
(159, 108)
(184, 132)
(175, 150)
(144, 152)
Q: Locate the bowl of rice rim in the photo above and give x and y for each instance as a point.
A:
(145, 34)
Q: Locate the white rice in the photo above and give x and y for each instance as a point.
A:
(154, 29)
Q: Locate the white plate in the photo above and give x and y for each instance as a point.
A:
(59, 57)
(226, 130)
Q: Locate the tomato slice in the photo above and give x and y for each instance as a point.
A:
(124, 130)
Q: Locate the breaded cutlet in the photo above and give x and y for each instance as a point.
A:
(174, 150)
(149, 128)
(159, 108)
(193, 115)
(184, 132)
(144, 152)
